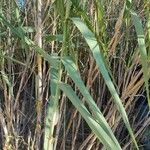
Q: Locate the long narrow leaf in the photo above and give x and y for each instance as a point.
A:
(74, 74)
(96, 128)
(143, 53)
(93, 44)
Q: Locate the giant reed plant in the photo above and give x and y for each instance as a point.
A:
(52, 74)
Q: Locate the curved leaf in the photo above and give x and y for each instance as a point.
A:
(93, 44)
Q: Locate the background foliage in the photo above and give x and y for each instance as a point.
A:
(74, 74)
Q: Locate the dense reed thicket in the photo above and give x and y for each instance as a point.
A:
(74, 74)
